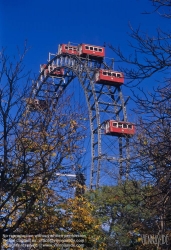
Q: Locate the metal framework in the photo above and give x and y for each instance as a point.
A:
(104, 102)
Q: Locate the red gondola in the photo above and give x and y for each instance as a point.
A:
(52, 70)
(67, 49)
(119, 128)
(109, 77)
(94, 52)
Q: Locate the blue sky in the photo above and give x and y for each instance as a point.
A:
(45, 24)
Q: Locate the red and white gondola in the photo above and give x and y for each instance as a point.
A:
(119, 128)
(51, 70)
(93, 51)
(67, 49)
(109, 77)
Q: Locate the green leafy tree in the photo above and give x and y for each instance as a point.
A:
(123, 214)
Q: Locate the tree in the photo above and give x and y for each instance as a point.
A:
(79, 220)
(151, 162)
(52, 216)
(150, 54)
(38, 139)
(123, 214)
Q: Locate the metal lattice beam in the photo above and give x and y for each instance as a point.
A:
(102, 101)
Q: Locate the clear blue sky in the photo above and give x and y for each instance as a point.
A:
(45, 24)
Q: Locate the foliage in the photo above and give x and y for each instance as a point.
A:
(50, 216)
(151, 146)
(152, 161)
(79, 220)
(35, 145)
(123, 214)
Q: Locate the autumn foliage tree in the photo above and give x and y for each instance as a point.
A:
(79, 219)
(36, 143)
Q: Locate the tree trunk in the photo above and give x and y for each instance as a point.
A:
(1, 238)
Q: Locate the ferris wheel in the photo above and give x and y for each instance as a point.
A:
(106, 105)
